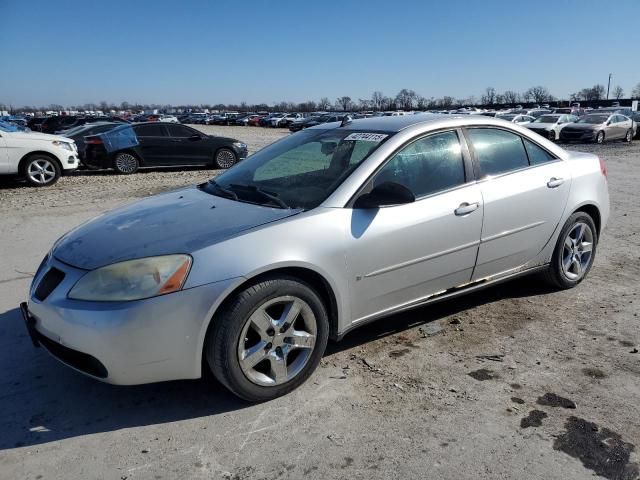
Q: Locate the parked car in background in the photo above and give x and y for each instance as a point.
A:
(285, 120)
(537, 112)
(635, 116)
(197, 118)
(37, 157)
(379, 216)
(77, 134)
(550, 126)
(168, 118)
(265, 121)
(156, 144)
(599, 127)
(574, 110)
(244, 120)
(302, 123)
(516, 118)
(255, 121)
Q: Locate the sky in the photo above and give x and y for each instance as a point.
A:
(72, 52)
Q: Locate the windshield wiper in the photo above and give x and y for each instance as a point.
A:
(228, 193)
(265, 194)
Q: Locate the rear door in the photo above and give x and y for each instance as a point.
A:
(524, 189)
(154, 144)
(187, 146)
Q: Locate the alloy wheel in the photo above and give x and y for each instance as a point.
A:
(577, 251)
(600, 137)
(126, 163)
(629, 136)
(41, 171)
(225, 158)
(277, 341)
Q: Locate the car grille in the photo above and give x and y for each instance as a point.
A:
(48, 284)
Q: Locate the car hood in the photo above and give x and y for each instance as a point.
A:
(41, 136)
(541, 126)
(181, 221)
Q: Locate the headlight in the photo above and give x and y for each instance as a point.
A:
(240, 144)
(65, 145)
(133, 279)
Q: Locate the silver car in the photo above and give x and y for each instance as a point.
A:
(600, 127)
(321, 232)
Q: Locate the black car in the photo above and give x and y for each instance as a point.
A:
(157, 144)
(78, 133)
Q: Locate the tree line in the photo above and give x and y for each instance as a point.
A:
(405, 99)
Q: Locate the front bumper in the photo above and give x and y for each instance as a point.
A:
(583, 135)
(124, 343)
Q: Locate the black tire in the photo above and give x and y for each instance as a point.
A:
(629, 136)
(555, 275)
(40, 170)
(221, 344)
(552, 135)
(225, 158)
(126, 163)
(600, 137)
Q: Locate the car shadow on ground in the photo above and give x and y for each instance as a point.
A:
(42, 400)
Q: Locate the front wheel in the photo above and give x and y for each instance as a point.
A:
(225, 158)
(269, 339)
(552, 135)
(600, 138)
(41, 171)
(574, 253)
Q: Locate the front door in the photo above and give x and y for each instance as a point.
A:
(525, 191)
(187, 146)
(401, 254)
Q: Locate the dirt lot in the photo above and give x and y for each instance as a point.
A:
(513, 382)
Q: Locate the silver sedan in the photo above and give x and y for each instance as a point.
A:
(326, 230)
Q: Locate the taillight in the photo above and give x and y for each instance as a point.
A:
(603, 167)
(93, 141)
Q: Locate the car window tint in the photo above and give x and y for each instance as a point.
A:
(149, 130)
(537, 155)
(180, 131)
(498, 151)
(426, 166)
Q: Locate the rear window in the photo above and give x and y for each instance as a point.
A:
(155, 130)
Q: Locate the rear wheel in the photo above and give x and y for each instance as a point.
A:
(269, 339)
(574, 253)
(552, 135)
(600, 138)
(41, 170)
(225, 158)
(126, 163)
(629, 136)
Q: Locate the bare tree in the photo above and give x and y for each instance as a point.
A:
(635, 93)
(538, 94)
(618, 92)
(511, 97)
(405, 99)
(344, 103)
(489, 96)
(324, 104)
(376, 100)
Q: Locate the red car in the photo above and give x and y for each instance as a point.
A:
(255, 121)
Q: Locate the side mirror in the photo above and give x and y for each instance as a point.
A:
(384, 195)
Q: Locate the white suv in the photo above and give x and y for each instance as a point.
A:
(38, 157)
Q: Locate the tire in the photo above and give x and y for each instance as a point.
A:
(225, 158)
(629, 136)
(41, 170)
(552, 135)
(126, 163)
(557, 274)
(272, 367)
(600, 137)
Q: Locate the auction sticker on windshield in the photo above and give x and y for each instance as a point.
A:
(367, 137)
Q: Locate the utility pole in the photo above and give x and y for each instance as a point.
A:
(608, 86)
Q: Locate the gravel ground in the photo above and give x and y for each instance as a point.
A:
(516, 381)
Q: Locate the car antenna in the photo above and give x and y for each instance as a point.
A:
(346, 120)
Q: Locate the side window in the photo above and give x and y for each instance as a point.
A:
(537, 155)
(179, 131)
(151, 130)
(498, 151)
(426, 166)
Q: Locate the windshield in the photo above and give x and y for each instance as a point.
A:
(594, 119)
(546, 119)
(299, 171)
(507, 117)
(8, 127)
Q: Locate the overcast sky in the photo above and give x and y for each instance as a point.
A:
(192, 52)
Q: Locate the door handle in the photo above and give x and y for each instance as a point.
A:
(466, 208)
(555, 182)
